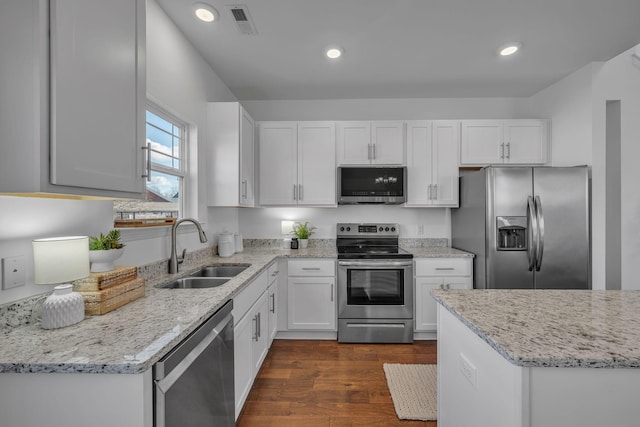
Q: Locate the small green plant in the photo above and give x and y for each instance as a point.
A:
(302, 230)
(105, 242)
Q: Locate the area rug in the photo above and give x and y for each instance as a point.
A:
(413, 390)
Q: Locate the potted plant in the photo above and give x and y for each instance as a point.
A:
(303, 231)
(104, 249)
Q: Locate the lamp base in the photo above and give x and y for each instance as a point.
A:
(62, 308)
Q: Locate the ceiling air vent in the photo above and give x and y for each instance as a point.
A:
(243, 20)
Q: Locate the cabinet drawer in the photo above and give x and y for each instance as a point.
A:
(249, 295)
(305, 267)
(272, 272)
(443, 267)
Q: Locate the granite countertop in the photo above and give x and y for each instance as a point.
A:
(553, 328)
(131, 339)
(439, 252)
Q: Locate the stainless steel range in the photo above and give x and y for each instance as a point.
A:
(375, 285)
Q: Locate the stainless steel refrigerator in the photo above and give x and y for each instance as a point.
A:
(529, 227)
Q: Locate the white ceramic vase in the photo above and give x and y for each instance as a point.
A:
(62, 308)
(303, 243)
(104, 260)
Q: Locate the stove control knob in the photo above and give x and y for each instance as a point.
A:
(393, 229)
(348, 228)
(341, 228)
(381, 229)
(386, 229)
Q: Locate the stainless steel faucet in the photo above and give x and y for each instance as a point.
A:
(174, 260)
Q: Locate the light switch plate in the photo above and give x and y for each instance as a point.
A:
(13, 271)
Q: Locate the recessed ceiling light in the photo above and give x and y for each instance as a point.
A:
(204, 12)
(334, 52)
(510, 49)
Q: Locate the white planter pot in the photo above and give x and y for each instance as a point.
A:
(104, 260)
(303, 243)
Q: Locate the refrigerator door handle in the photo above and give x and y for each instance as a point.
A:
(532, 225)
(540, 243)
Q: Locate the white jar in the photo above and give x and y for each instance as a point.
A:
(239, 244)
(226, 245)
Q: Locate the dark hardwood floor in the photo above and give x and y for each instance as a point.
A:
(324, 383)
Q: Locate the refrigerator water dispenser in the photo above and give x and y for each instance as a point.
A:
(512, 233)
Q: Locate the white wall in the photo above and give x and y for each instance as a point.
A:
(618, 79)
(265, 222)
(182, 82)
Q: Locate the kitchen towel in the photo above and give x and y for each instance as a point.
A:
(413, 390)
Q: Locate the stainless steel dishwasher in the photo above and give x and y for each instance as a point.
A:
(193, 383)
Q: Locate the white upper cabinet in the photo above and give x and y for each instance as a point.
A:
(80, 127)
(364, 143)
(297, 164)
(231, 148)
(432, 163)
(485, 142)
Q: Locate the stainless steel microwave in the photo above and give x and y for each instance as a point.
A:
(381, 185)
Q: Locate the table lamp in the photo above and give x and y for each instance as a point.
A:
(61, 260)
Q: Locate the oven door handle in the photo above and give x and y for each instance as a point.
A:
(374, 264)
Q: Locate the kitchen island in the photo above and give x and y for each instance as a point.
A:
(535, 358)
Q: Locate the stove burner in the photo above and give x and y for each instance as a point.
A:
(369, 241)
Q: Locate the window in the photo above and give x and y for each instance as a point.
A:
(166, 143)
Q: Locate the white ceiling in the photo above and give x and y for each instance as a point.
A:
(407, 48)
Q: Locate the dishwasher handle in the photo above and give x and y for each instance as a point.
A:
(178, 360)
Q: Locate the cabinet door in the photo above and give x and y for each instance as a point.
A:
(278, 163)
(426, 306)
(311, 303)
(481, 142)
(354, 143)
(445, 163)
(525, 141)
(247, 148)
(261, 334)
(387, 141)
(243, 333)
(317, 163)
(97, 94)
(419, 163)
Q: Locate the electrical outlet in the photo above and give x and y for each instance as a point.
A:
(13, 272)
(468, 371)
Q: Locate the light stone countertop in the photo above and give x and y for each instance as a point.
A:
(132, 338)
(553, 328)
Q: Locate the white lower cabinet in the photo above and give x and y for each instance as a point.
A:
(311, 295)
(437, 273)
(250, 334)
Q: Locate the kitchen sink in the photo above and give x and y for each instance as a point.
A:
(196, 283)
(221, 270)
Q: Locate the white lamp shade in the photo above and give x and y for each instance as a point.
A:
(60, 259)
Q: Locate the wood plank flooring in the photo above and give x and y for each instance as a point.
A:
(324, 383)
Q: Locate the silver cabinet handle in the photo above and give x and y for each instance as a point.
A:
(502, 150)
(311, 268)
(369, 152)
(441, 286)
(447, 286)
(147, 174)
(444, 268)
(375, 155)
(299, 191)
(430, 192)
(273, 303)
(295, 192)
(259, 325)
(508, 150)
(255, 322)
(244, 188)
(274, 274)
(435, 192)
(332, 291)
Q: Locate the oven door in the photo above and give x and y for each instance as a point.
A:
(375, 289)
